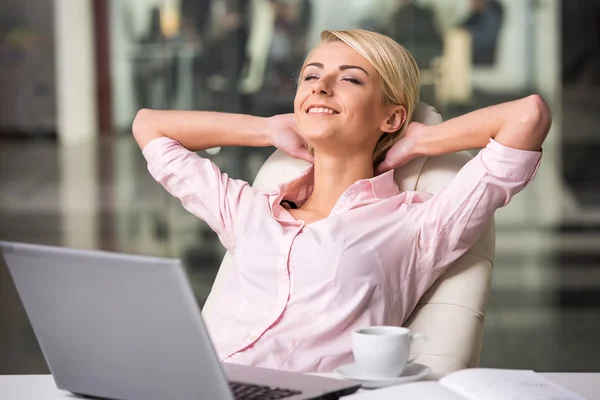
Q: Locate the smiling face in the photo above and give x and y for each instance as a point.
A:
(339, 102)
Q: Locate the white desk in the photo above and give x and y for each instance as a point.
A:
(41, 387)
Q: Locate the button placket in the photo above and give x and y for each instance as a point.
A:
(282, 299)
(284, 282)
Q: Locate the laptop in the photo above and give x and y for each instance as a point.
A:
(118, 326)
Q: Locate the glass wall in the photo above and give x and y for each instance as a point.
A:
(243, 55)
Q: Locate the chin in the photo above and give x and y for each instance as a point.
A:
(317, 134)
(318, 128)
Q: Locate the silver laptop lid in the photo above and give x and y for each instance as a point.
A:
(81, 305)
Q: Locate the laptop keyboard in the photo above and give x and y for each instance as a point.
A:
(248, 391)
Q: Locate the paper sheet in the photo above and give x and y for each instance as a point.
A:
(492, 384)
(412, 391)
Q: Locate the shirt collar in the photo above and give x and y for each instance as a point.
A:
(380, 187)
(384, 186)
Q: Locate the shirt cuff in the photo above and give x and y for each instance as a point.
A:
(156, 147)
(510, 163)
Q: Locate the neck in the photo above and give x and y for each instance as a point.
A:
(333, 174)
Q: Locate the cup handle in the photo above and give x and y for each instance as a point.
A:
(423, 350)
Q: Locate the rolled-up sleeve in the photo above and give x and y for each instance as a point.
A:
(449, 223)
(203, 190)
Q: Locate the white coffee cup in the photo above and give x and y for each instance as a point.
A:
(382, 351)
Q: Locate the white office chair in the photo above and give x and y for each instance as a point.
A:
(452, 311)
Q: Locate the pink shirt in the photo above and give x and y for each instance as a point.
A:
(298, 290)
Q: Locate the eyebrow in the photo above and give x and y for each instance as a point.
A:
(342, 67)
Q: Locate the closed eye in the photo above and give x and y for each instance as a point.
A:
(352, 80)
(346, 78)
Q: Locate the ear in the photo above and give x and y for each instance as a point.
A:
(395, 120)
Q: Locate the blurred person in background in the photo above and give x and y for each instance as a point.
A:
(484, 23)
(581, 44)
(420, 25)
(414, 26)
(225, 42)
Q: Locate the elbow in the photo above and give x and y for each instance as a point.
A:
(141, 122)
(537, 118)
(144, 127)
(539, 110)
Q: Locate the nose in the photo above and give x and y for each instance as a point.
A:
(322, 87)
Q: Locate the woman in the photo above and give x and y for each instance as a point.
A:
(339, 247)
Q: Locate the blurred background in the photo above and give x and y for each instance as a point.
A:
(73, 73)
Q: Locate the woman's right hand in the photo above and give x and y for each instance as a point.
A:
(284, 136)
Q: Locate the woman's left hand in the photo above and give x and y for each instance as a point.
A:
(403, 150)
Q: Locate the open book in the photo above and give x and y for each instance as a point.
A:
(476, 384)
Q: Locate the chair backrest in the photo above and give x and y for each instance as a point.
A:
(452, 311)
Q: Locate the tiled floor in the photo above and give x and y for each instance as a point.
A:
(544, 310)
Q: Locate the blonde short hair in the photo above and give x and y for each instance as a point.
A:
(398, 73)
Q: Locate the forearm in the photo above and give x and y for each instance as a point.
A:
(199, 130)
(521, 124)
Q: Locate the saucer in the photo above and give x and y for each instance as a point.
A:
(412, 372)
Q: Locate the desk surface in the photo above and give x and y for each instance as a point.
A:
(41, 387)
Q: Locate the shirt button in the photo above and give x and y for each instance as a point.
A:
(252, 338)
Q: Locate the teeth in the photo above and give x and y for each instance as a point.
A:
(316, 110)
